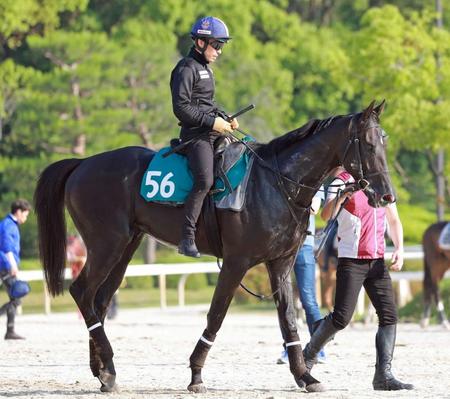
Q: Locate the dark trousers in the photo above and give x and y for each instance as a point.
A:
(200, 155)
(9, 307)
(351, 275)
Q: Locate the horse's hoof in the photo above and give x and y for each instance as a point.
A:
(108, 382)
(316, 387)
(446, 325)
(109, 389)
(308, 382)
(197, 388)
(425, 322)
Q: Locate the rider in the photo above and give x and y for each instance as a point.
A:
(192, 87)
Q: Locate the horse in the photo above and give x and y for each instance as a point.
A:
(436, 262)
(101, 193)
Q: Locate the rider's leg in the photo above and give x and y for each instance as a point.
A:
(200, 155)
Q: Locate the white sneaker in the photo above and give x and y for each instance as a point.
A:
(283, 359)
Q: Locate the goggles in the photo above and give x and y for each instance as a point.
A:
(216, 45)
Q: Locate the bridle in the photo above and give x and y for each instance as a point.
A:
(362, 183)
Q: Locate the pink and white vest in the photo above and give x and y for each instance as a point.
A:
(360, 227)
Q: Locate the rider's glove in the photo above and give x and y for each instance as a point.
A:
(222, 126)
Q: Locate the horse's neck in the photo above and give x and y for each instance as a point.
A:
(310, 160)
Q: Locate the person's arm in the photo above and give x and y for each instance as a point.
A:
(181, 85)
(7, 238)
(315, 205)
(396, 233)
(14, 268)
(331, 207)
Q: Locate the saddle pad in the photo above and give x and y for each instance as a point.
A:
(444, 238)
(169, 180)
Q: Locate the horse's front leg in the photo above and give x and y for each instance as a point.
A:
(279, 272)
(230, 276)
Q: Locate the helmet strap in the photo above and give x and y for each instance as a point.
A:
(200, 48)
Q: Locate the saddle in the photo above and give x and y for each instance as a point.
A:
(227, 152)
(444, 238)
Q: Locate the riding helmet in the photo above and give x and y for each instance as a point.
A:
(210, 28)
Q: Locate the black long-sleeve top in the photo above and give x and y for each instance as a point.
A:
(192, 86)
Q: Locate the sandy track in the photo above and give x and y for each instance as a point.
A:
(152, 349)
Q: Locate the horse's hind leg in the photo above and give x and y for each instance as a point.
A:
(229, 278)
(101, 303)
(104, 252)
(281, 285)
(442, 315)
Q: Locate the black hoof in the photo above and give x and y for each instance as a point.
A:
(108, 382)
(308, 382)
(197, 388)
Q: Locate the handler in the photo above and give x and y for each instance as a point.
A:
(10, 258)
(192, 86)
(361, 250)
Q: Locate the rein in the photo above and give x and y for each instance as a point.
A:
(362, 183)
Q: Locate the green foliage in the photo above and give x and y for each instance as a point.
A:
(83, 78)
(22, 17)
(415, 220)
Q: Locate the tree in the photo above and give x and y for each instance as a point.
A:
(21, 18)
(394, 58)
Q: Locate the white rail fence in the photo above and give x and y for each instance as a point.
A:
(403, 290)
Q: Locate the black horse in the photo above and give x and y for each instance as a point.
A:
(102, 195)
(436, 261)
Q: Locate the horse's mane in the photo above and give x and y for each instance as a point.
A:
(292, 137)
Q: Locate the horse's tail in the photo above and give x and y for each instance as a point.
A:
(49, 208)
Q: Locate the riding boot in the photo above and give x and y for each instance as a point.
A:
(383, 379)
(11, 315)
(187, 247)
(11, 334)
(324, 331)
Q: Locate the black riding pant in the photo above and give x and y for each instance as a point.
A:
(351, 275)
(200, 155)
(9, 307)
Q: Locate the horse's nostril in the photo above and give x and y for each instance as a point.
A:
(389, 198)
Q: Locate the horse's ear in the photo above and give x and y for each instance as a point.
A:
(368, 111)
(380, 108)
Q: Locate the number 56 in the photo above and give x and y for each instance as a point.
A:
(167, 187)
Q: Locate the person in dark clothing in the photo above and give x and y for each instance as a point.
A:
(192, 87)
(10, 258)
(361, 250)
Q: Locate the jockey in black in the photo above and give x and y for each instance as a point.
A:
(192, 87)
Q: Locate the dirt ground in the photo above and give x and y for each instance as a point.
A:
(152, 348)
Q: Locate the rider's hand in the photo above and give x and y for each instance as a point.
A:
(222, 126)
(234, 124)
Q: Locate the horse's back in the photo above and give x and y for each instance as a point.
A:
(435, 258)
(107, 182)
(431, 235)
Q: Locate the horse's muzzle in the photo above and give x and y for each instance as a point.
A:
(388, 199)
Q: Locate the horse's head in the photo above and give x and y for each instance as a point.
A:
(364, 156)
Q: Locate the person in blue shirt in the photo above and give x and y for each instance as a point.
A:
(10, 259)
(305, 275)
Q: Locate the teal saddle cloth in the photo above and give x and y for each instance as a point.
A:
(169, 180)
